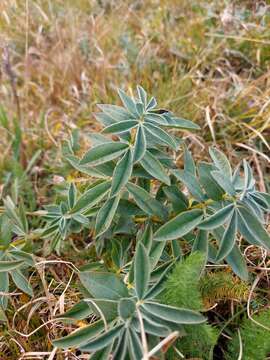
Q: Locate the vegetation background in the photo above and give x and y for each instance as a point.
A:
(207, 61)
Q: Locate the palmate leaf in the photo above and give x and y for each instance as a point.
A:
(139, 145)
(103, 285)
(235, 258)
(177, 198)
(179, 226)
(122, 173)
(146, 202)
(251, 228)
(211, 187)
(224, 182)
(103, 153)
(173, 314)
(218, 218)
(142, 95)
(103, 340)
(134, 345)
(221, 162)
(126, 308)
(80, 336)
(21, 282)
(179, 123)
(117, 113)
(9, 265)
(160, 136)
(79, 311)
(189, 162)
(72, 195)
(154, 168)
(201, 242)
(120, 351)
(228, 239)
(106, 214)
(128, 102)
(191, 183)
(120, 127)
(237, 262)
(102, 354)
(142, 271)
(91, 197)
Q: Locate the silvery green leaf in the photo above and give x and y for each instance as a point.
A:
(106, 214)
(103, 153)
(103, 285)
(142, 95)
(224, 182)
(102, 340)
(126, 308)
(91, 197)
(173, 314)
(4, 286)
(120, 127)
(122, 173)
(211, 187)
(21, 282)
(151, 104)
(120, 351)
(118, 113)
(79, 311)
(161, 136)
(201, 242)
(134, 345)
(218, 218)
(251, 228)
(139, 145)
(191, 183)
(79, 336)
(142, 270)
(156, 119)
(179, 226)
(238, 264)
(154, 168)
(221, 162)
(228, 239)
(179, 123)
(189, 164)
(146, 202)
(128, 102)
(176, 197)
(147, 237)
(104, 119)
(72, 195)
(8, 265)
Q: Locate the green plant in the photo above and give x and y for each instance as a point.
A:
(137, 180)
(13, 260)
(135, 187)
(182, 289)
(127, 313)
(252, 340)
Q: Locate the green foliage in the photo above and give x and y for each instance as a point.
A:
(255, 339)
(139, 158)
(182, 289)
(222, 286)
(139, 210)
(127, 313)
(13, 259)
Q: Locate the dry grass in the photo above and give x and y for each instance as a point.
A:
(207, 61)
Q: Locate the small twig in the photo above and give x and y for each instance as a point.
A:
(173, 336)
